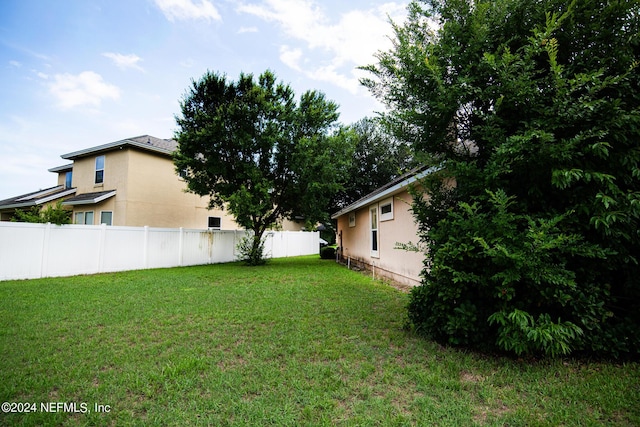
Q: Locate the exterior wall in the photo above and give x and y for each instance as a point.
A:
(157, 197)
(115, 178)
(62, 178)
(148, 192)
(399, 265)
(288, 225)
(115, 173)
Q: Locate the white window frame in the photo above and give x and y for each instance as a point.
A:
(389, 215)
(374, 231)
(95, 175)
(85, 217)
(104, 212)
(209, 221)
(75, 218)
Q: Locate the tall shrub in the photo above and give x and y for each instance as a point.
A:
(533, 108)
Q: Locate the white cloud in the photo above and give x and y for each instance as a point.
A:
(124, 61)
(187, 9)
(338, 46)
(243, 30)
(86, 88)
(291, 57)
(15, 64)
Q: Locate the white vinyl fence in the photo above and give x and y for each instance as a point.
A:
(29, 251)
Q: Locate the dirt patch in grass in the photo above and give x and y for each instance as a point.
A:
(485, 413)
(470, 378)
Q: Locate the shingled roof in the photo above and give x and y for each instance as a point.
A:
(36, 197)
(144, 142)
(89, 198)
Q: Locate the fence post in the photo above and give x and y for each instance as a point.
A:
(44, 259)
(101, 245)
(180, 247)
(145, 248)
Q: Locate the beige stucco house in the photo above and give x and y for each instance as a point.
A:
(369, 230)
(131, 182)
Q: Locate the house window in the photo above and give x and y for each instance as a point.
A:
(215, 222)
(183, 173)
(106, 217)
(373, 215)
(352, 219)
(99, 170)
(83, 218)
(88, 218)
(67, 179)
(79, 218)
(386, 210)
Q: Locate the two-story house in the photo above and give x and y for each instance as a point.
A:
(133, 182)
(130, 182)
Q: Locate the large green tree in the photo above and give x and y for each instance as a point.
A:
(378, 157)
(254, 149)
(533, 108)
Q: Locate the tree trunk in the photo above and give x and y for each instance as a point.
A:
(256, 257)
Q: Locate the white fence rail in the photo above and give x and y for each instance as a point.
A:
(29, 251)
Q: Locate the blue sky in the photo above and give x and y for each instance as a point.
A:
(80, 73)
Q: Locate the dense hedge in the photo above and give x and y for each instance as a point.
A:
(533, 110)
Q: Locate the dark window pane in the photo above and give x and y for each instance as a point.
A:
(214, 222)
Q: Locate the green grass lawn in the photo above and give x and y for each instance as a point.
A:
(298, 342)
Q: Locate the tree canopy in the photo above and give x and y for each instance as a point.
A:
(257, 151)
(378, 157)
(533, 108)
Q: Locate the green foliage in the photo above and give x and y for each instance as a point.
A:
(377, 158)
(520, 333)
(249, 251)
(328, 252)
(487, 262)
(53, 214)
(532, 113)
(31, 215)
(255, 150)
